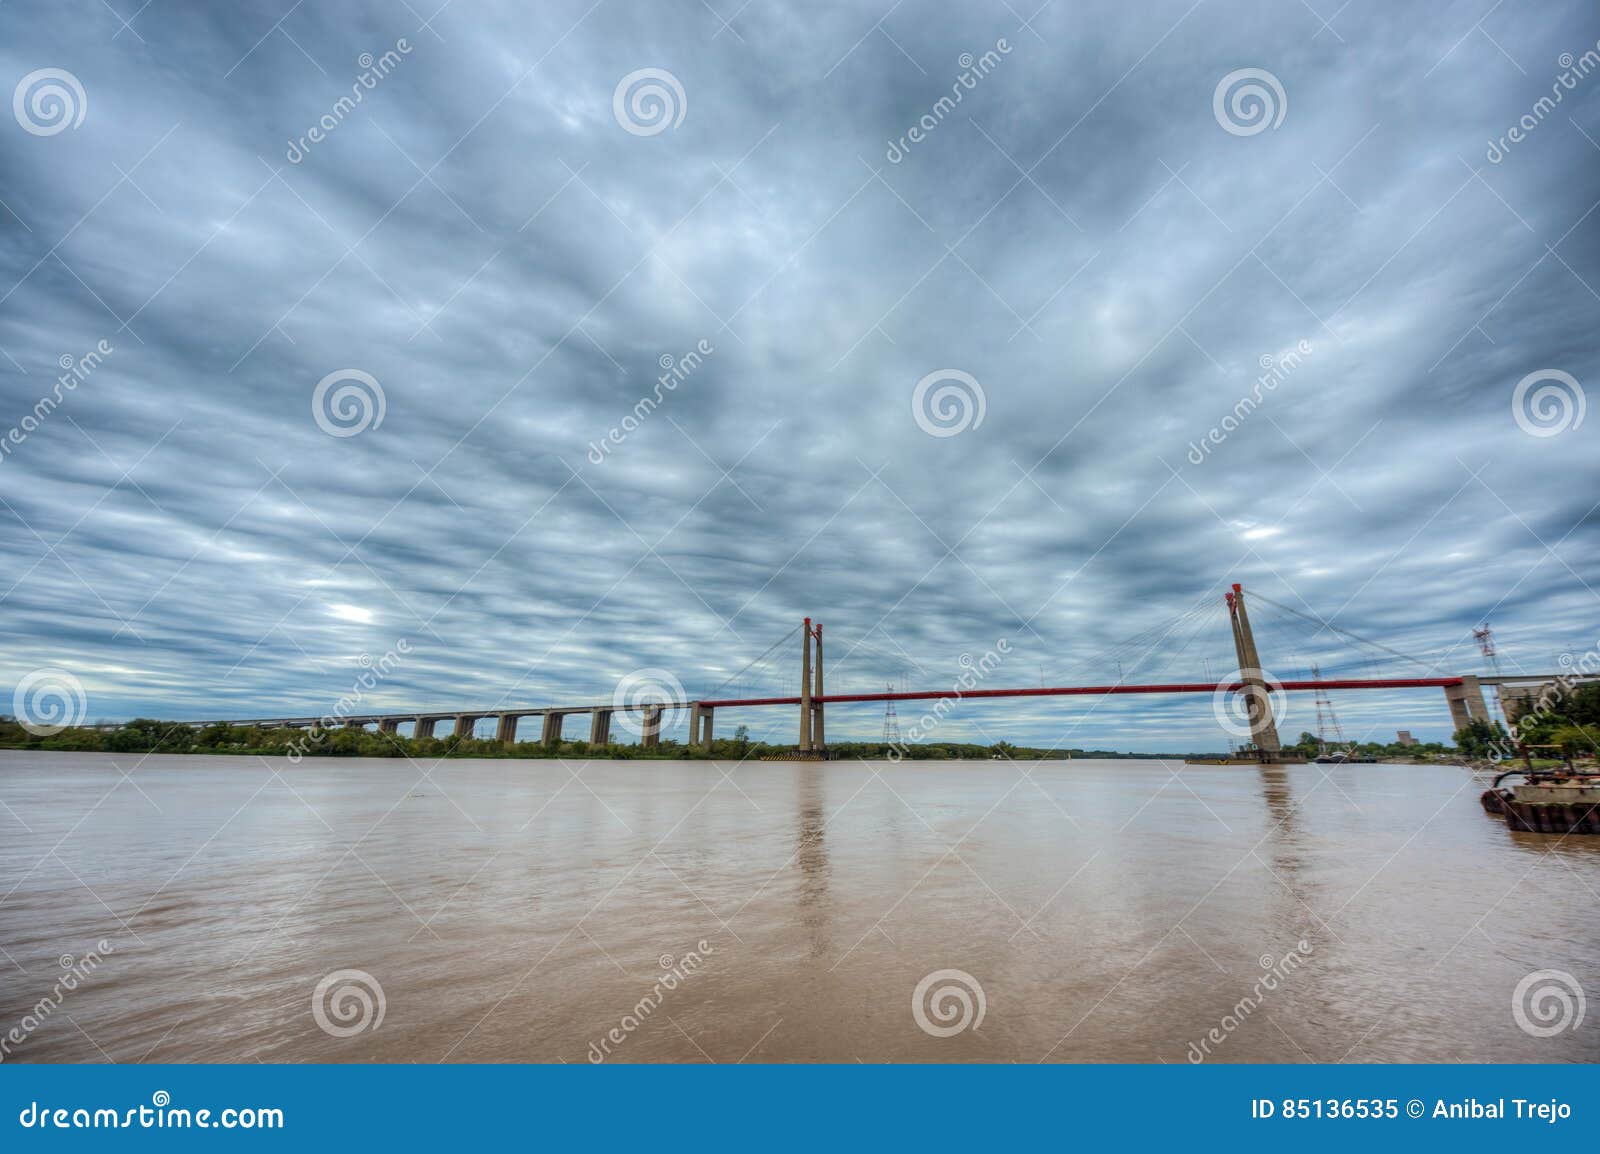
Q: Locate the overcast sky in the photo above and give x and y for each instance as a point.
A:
(1102, 241)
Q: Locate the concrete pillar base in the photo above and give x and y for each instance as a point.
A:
(505, 731)
(600, 727)
(464, 726)
(424, 727)
(1466, 703)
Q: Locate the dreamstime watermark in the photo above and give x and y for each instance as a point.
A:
(973, 69)
(347, 402)
(648, 101)
(1248, 101)
(1232, 707)
(678, 970)
(48, 101)
(76, 370)
(947, 402)
(1575, 671)
(1548, 1002)
(974, 671)
(373, 69)
(647, 692)
(1572, 71)
(948, 1002)
(1548, 402)
(47, 701)
(76, 971)
(1276, 370)
(159, 1115)
(675, 370)
(348, 1002)
(374, 673)
(1277, 970)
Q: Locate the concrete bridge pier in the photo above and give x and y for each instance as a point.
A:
(464, 726)
(1466, 702)
(694, 723)
(818, 739)
(705, 728)
(550, 732)
(424, 727)
(505, 730)
(1263, 728)
(651, 737)
(805, 686)
(389, 725)
(600, 727)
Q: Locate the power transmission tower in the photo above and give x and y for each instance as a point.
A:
(891, 723)
(1491, 662)
(1327, 720)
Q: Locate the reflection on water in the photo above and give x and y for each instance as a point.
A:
(522, 911)
(811, 857)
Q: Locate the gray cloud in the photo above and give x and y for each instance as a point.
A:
(1079, 234)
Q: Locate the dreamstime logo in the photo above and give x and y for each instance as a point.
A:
(76, 371)
(373, 69)
(956, 405)
(643, 691)
(1277, 971)
(1546, 1002)
(649, 101)
(1573, 69)
(1232, 707)
(373, 673)
(47, 701)
(676, 972)
(1532, 711)
(347, 1002)
(675, 370)
(49, 101)
(947, 1002)
(347, 402)
(1275, 370)
(1548, 402)
(1248, 101)
(74, 972)
(973, 69)
(973, 672)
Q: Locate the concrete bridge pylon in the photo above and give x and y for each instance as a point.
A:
(1258, 700)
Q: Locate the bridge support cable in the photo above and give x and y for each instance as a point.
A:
(1139, 646)
(1347, 634)
(763, 656)
(896, 660)
(1288, 633)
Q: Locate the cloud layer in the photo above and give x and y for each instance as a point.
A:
(511, 250)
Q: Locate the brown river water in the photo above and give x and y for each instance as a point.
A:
(653, 911)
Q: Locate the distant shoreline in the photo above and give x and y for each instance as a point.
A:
(147, 736)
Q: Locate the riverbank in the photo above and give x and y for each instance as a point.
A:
(145, 737)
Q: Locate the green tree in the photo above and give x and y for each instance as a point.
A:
(1479, 738)
(1572, 741)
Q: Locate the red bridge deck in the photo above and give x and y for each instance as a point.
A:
(1092, 691)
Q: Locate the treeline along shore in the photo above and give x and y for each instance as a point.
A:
(151, 736)
(1563, 726)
